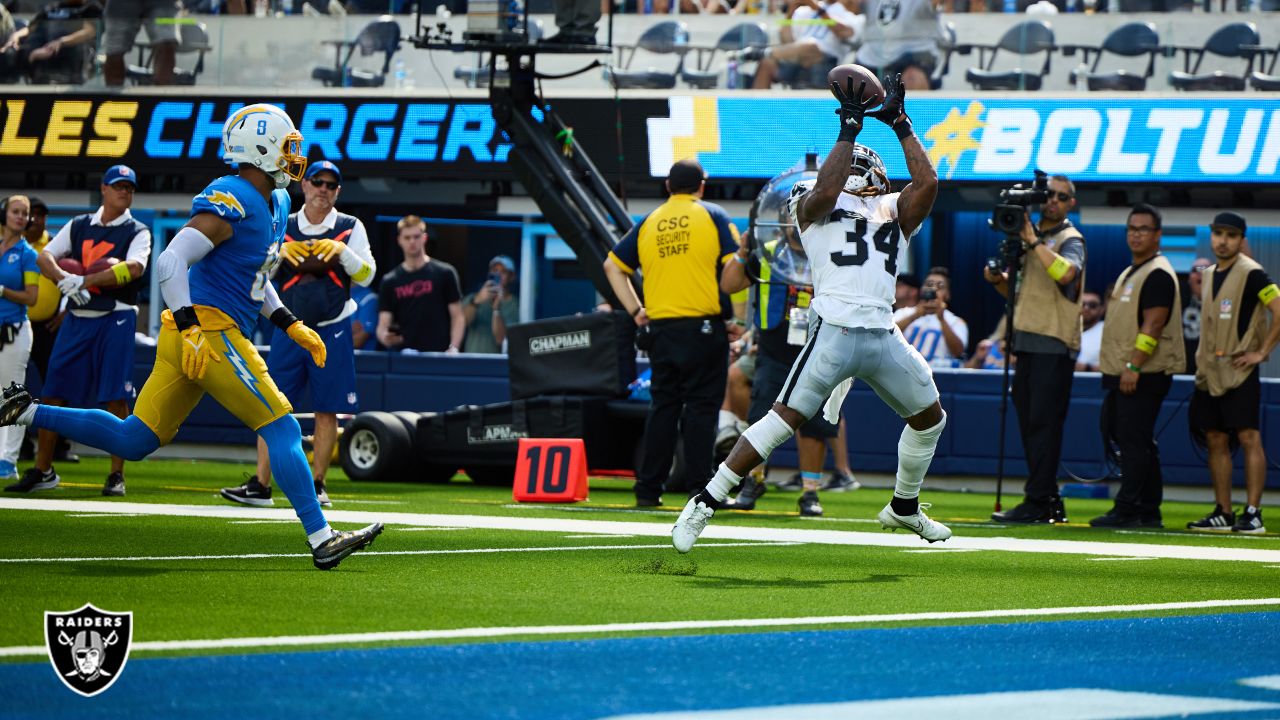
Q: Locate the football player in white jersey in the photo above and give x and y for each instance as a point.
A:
(855, 232)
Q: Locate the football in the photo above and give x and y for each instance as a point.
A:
(315, 266)
(71, 265)
(98, 266)
(840, 74)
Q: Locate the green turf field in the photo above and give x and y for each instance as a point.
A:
(424, 576)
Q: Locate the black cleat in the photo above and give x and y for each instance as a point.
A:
(33, 480)
(114, 487)
(332, 551)
(250, 493)
(321, 495)
(809, 505)
(751, 490)
(13, 402)
(645, 502)
(1025, 513)
(1116, 519)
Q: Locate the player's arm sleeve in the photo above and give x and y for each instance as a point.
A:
(184, 250)
(60, 246)
(626, 254)
(357, 258)
(140, 249)
(271, 301)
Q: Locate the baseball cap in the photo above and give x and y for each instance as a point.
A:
(322, 166)
(686, 176)
(119, 173)
(909, 280)
(1230, 219)
(505, 261)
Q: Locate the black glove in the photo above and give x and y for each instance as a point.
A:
(852, 108)
(893, 107)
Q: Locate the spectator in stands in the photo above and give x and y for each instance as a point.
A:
(1234, 341)
(680, 247)
(990, 352)
(1141, 350)
(814, 40)
(325, 253)
(1092, 311)
(906, 292)
(577, 21)
(123, 20)
(92, 359)
(492, 308)
(1191, 311)
(939, 334)
(56, 47)
(1046, 340)
(420, 301)
(901, 36)
(18, 273)
(364, 323)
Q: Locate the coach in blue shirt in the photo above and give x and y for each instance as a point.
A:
(18, 276)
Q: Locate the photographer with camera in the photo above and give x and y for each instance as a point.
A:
(491, 309)
(1049, 261)
(939, 334)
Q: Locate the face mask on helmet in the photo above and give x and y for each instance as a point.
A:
(867, 175)
(263, 136)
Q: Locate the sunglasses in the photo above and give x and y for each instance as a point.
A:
(1062, 197)
(332, 185)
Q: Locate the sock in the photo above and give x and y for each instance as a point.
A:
(905, 506)
(320, 537)
(130, 438)
(915, 452)
(811, 480)
(727, 419)
(1249, 509)
(26, 416)
(724, 481)
(291, 471)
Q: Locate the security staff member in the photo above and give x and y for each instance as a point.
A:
(1141, 350)
(1046, 339)
(680, 247)
(1234, 340)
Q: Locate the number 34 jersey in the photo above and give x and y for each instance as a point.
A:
(234, 275)
(855, 253)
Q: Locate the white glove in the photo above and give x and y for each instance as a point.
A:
(79, 298)
(70, 284)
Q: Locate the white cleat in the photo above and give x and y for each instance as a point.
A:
(692, 521)
(919, 523)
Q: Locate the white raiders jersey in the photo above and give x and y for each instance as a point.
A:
(855, 253)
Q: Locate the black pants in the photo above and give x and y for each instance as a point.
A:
(41, 346)
(1134, 425)
(690, 369)
(1041, 395)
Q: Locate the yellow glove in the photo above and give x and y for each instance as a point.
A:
(309, 340)
(196, 353)
(294, 252)
(327, 249)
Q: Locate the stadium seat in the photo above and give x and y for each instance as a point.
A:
(381, 35)
(192, 38)
(736, 39)
(1265, 81)
(659, 40)
(1025, 38)
(1130, 40)
(1229, 41)
(477, 76)
(944, 67)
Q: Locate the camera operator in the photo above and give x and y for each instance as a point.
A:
(939, 334)
(1046, 338)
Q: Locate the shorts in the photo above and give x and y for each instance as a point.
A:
(92, 360)
(239, 382)
(1238, 409)
(771, 373)
(332, 388)
(747, 365)
(795, 75)
(881, 358)
(926, 61)
(123, 18)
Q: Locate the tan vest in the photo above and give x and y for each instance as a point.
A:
(1219, 319)
(1122, 326)
(1042, 308)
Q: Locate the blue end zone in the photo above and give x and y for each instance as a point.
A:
(1202, 656)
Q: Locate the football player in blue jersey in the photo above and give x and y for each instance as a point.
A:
(215, 274)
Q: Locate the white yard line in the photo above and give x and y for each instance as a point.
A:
(652, 627)
(663, 529)
(260, 522)
(1115, 559)
(101, 515)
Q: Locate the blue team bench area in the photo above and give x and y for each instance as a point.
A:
(432, 382)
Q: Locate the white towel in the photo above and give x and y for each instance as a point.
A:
(831, 410)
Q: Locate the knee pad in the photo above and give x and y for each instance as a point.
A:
(767, 434)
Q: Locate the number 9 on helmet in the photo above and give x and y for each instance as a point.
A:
(264, 137)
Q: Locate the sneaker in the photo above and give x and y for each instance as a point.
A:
(1250, 522)
(809, 505)
(251, 492)
(33, 480)
(692, 521)
(726, 438)
(332, 551)
(792, 484)
(919, 523)
(13, 402)
(648, 502)
(1116, 519)
(750, 491)
(114, 487)
(1217, 521)
(840, 482)
(1025, 513)
(751, 54)
(1057, 511)
(321, 495)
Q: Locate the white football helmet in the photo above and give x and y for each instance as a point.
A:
(263, 136)
(867, 176)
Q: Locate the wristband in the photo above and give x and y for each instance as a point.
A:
(1132, 368)
(637, 312)
(1058, 268)
(741, 260)
(282, 318)
(185, 317)
(1145, 343)
(903, 129)
(121, 271)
